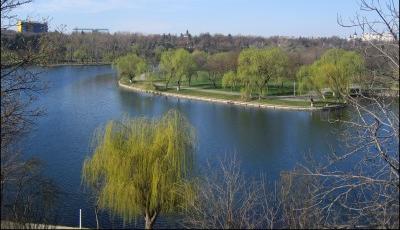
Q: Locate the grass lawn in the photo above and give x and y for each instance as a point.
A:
(205, 94)
(221, 93)
(269, 101)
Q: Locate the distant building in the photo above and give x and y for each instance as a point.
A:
(352, 37)
(31, 27)
(385, 37)
(91, 30)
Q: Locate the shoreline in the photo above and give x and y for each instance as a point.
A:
(228, 102)
(5, 224)
(75, 64)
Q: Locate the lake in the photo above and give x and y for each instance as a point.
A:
(82, 98)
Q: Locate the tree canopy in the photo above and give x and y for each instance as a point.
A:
(258, 66)
(177, 64)
(220, 63)
(141, 164)
(130, 65)
(336, 70)
(231, 80)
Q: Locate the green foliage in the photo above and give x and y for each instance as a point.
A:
(231, 80)
(335, 70)
(245, 93)
(258, 66)
(130, 65)
(109, 57)
(141, 164)
(166, 63)
(310, 79)
(81, 54)
(177, 64)
(8, 58)
(220, 63)
(52, 49)
(200, 58)
(101, 46)
(185, 64)
(157, 53)
(149, 86)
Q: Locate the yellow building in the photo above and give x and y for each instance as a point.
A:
(31, 27)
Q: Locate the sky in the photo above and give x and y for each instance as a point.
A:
(307, 18)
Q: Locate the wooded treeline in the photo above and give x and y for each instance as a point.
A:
(104, 47)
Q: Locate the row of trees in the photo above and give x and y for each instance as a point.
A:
(104, 47)
(253, 69)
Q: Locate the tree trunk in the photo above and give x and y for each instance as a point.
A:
(167, 81)
(149, 221)
(96, 212)
(213, 79)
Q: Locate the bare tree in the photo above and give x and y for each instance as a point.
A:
(225, 200)
(366, 195)
(94, 196)
(30, 201)
(19, 86)
(7, 6)
(26, 195)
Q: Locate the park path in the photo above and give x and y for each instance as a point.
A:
(202, 90)
(211, 91)
(285, 97)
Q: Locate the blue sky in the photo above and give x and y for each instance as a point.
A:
(246, 17)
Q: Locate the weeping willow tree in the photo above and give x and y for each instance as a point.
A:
(337, 69)
(142, 164)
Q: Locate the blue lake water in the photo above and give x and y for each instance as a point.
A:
(82, 98)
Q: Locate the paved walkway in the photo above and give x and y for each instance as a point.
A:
(286, 97)
(223, 101)
(212, 91)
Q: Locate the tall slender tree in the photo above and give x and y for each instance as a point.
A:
(259, 66)
(177, 64)
(336, 70)
(220, 63)
(141, 164)
(130, 66)
(167, 66)
(230, 80)
(185, 65)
